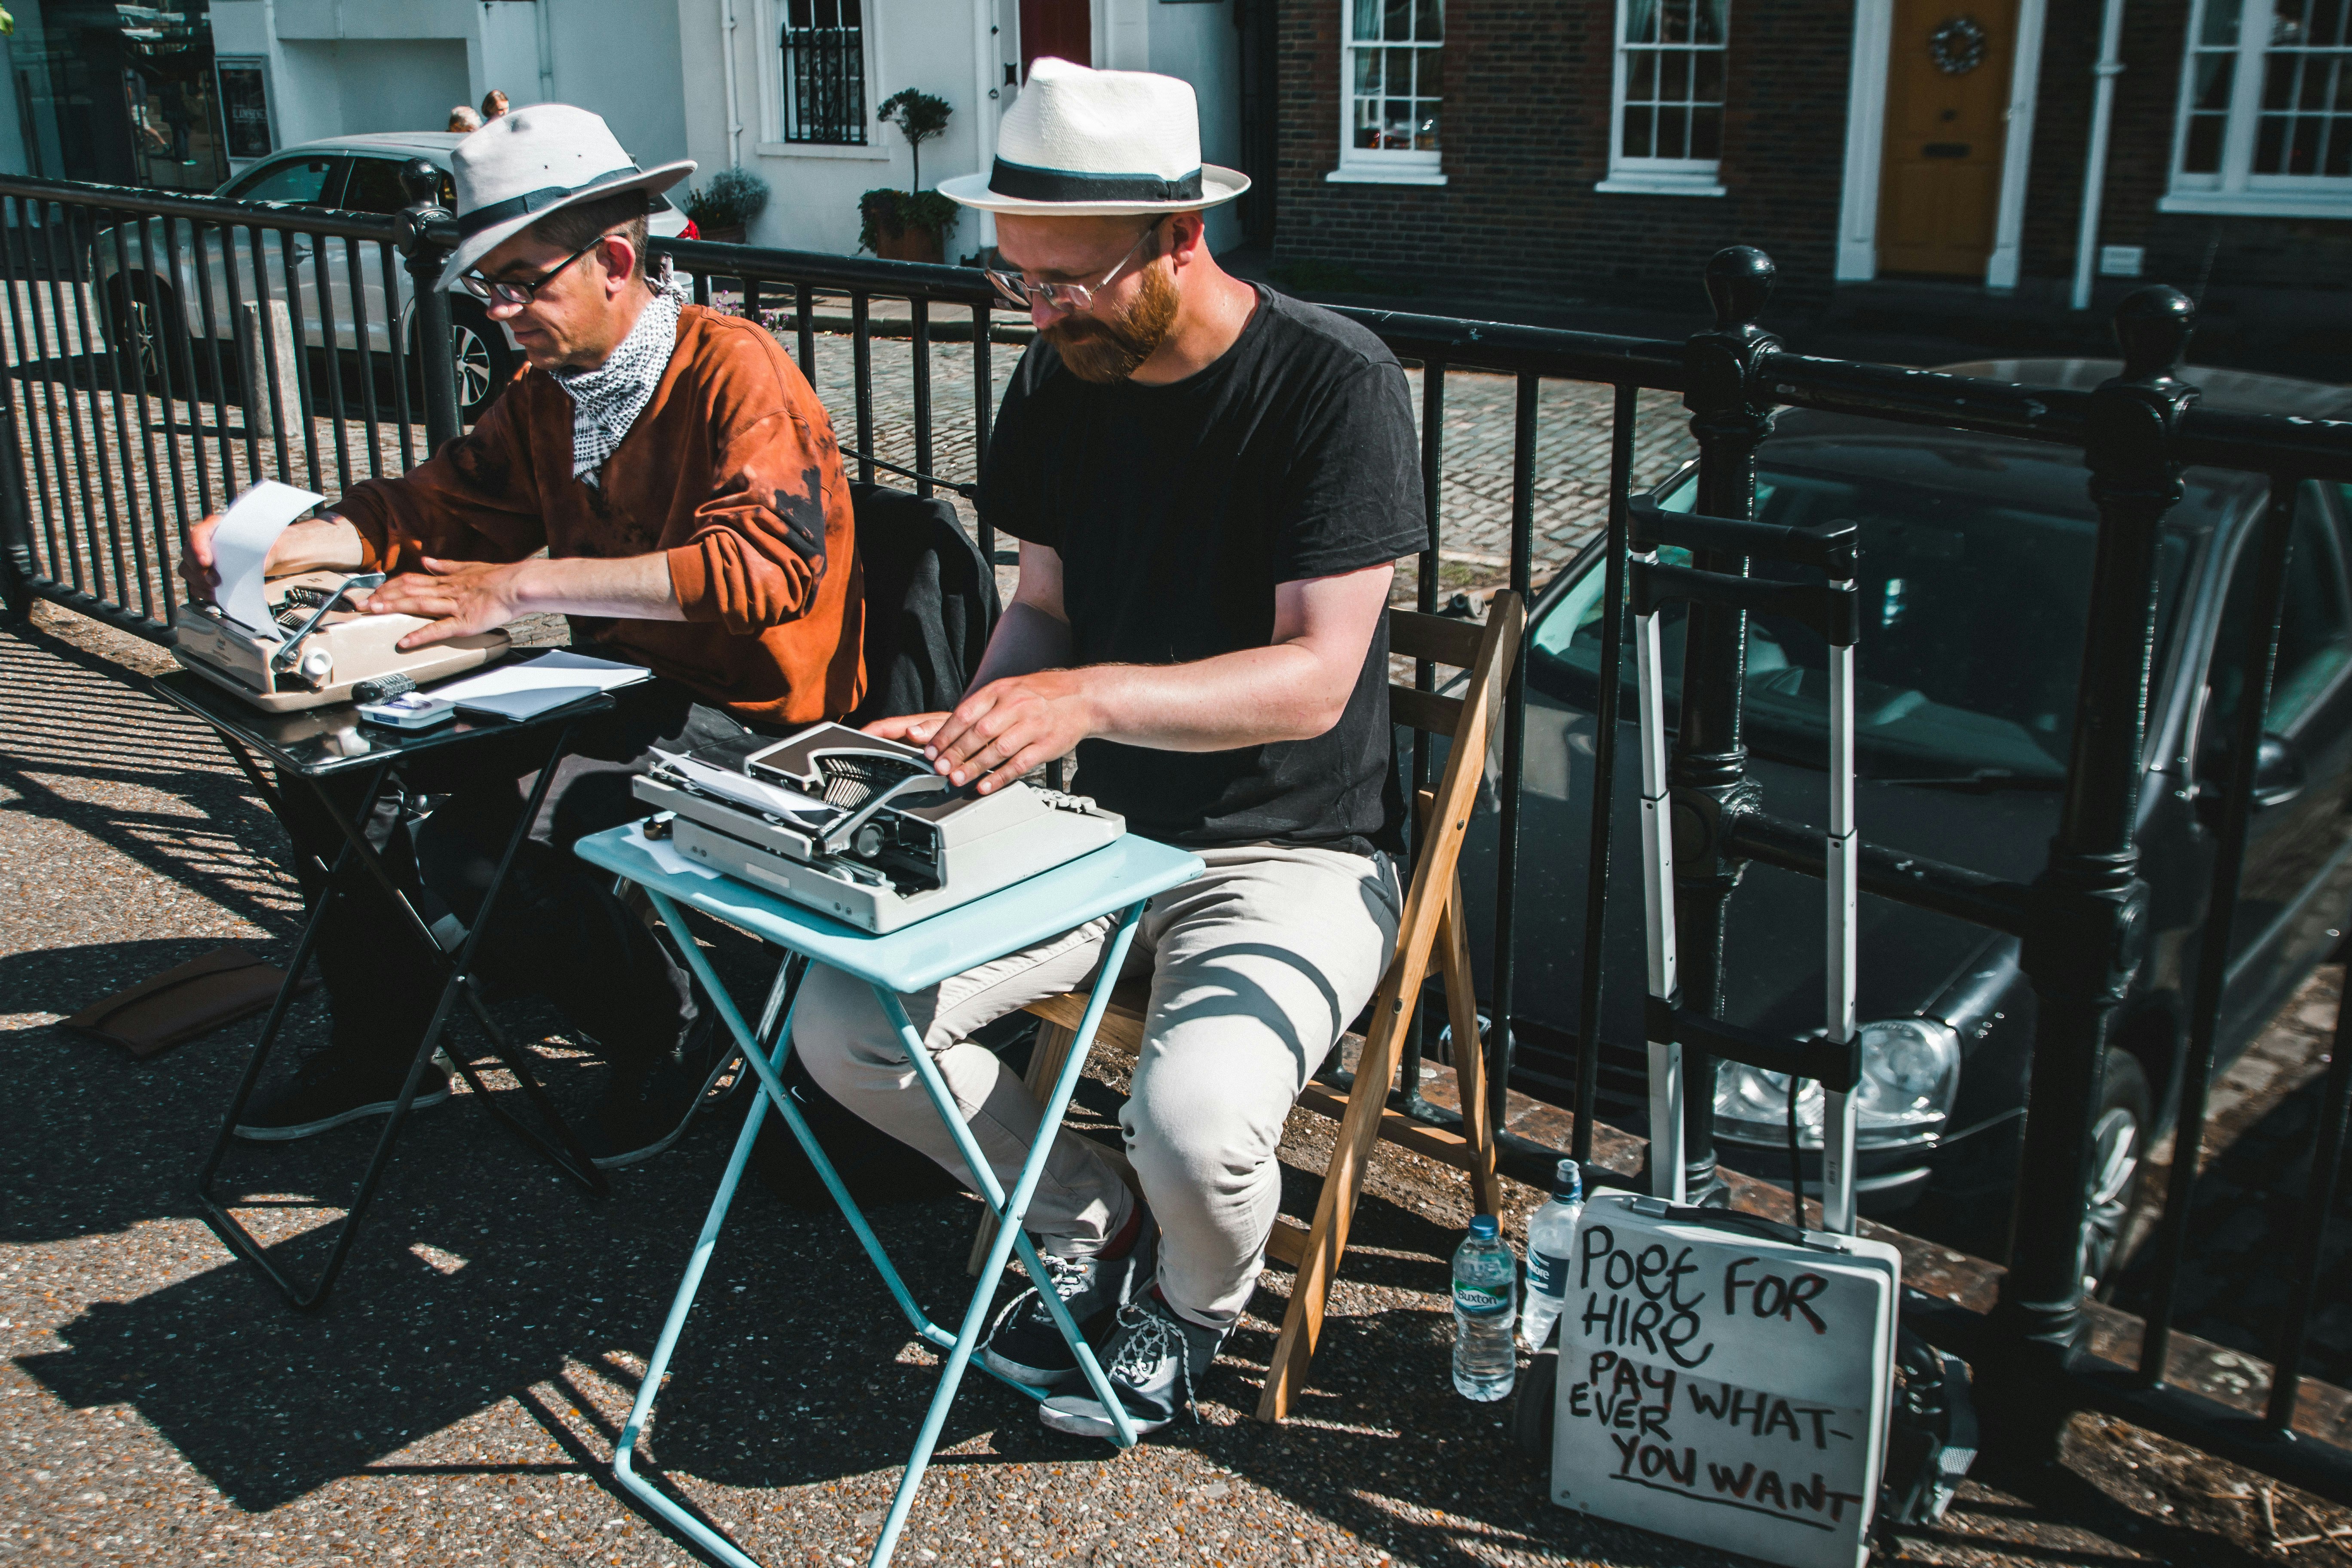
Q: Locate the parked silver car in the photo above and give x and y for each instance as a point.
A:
(359, 173)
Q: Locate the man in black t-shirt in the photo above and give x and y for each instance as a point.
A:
(1211, 484)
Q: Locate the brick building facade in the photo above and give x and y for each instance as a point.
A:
(1816, 97)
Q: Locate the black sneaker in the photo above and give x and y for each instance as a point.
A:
(1153, 1359)
(1023, 1345)
(643, 1112)
(333, 1088)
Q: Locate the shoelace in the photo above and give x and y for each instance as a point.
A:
(1152, 1338)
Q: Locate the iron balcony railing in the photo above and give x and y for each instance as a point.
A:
(111, 443)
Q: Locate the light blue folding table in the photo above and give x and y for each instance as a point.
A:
(1121, 877)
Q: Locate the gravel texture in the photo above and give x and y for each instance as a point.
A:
(458, 1400)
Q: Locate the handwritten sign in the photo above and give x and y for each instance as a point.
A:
(1722, 1388)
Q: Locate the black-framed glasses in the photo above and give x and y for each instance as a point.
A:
(506, 293)
(1018, 290)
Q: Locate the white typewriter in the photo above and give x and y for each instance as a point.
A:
(316, 647)
(861, 828)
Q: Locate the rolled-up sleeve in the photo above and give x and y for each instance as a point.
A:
(760, 543)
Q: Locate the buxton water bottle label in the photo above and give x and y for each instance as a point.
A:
(1479, 1301)
(1547, 1274)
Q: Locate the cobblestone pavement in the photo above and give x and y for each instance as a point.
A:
(2244, 1227)
(457, 1402)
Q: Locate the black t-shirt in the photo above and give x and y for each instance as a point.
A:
(1178, 510)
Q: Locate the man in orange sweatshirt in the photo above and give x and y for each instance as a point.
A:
(683, 483)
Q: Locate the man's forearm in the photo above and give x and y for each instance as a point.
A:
(1256, 697)
(635, 588)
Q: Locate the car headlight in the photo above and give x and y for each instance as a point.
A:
(1910, 1073)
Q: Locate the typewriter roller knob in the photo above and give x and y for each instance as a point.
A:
(317, 665)
(868, 842)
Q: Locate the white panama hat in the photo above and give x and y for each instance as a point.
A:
(1080, 142)
(528, 162)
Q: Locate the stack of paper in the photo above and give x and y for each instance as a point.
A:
(527, 687)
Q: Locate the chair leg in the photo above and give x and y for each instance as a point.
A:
(1326, 1238)
(1045, 1060)
(1469, 1059)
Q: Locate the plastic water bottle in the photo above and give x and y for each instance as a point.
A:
(1551, 1238)
(1486, 1280)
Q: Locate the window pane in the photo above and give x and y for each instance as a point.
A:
(1706, 84)
(1429, 75)
(1637, 131)
(2303, 147)
(2270, 146)
(1674, 22)
(1674, 131)
(1714, 21)
(1367, 122)
(1706, 133)
(2338, 165)
(1641, 21)
(1368, 20)
(1429, 25)
(2202, 152)
(1368, 70)
(1673, 76)
(1396, 123)
(2214, 74)
(1396, 20)
(2220, 26)
(1425, 137)
(2278, 80)
(1641, 77)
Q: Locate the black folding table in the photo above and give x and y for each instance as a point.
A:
(312, 747)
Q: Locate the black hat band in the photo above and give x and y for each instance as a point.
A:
(473, 223)
(1022, 182)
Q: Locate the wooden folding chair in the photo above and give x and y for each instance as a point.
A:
(1431, 930)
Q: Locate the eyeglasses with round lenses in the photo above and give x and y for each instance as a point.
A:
(1020, 291)
(500, 293)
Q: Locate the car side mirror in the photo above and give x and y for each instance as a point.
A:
(2279, 777)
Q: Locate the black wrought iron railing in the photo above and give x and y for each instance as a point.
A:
(122, 421)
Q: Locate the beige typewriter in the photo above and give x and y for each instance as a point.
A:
(317, 648)
(861, 828)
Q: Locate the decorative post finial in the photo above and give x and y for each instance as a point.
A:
(420, 181)
(1738, 281)
(2153, 325)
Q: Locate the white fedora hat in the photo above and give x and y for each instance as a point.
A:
(1080, 142)
(532, 162)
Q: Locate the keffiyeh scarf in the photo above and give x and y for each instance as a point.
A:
(608, 400)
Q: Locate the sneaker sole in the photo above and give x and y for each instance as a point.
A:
(357, 1113)
(636, 1156)
(1032, 1376)
(1080, 1425)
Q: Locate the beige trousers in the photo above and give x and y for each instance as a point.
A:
(1257, 967)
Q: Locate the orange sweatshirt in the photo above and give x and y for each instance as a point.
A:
(731, 472)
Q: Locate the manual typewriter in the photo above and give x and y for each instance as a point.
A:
(861, 828)
(317, 648)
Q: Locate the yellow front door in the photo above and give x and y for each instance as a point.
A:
(1946, 96)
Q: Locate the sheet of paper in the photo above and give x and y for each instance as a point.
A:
(758, 793)
(241, 547)
(557, 668)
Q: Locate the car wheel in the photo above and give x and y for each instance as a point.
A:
(2111, 1190)
(481, 356)
(145, 330)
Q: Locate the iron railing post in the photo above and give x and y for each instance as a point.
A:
(422, 182)
(2089, 926)
(1730, 416)
(18, 567)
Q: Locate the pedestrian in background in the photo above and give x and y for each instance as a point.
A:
(464, 120)
(494, 103)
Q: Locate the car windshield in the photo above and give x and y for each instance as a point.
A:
(1973, 600)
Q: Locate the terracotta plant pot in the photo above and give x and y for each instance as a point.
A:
(911, 245)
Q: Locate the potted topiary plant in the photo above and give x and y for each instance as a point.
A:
(723, 209)
(908, 226)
